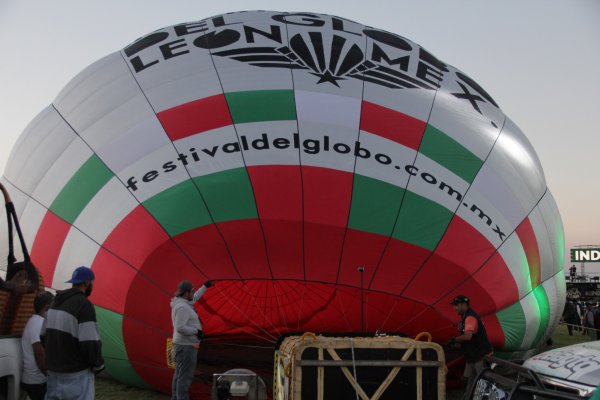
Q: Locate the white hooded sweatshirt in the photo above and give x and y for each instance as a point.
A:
(186, 323)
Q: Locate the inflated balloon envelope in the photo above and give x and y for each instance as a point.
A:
(275, 153)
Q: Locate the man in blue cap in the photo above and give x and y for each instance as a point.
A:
(72, 341)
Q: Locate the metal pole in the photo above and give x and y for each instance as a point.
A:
(361, 269)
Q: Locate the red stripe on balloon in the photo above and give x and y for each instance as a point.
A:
(151, 306)
(361, 249)
(207, 250)
(530, 245)
(392, 125)
(167, 265)
(136, 237)
(438, 276)
(147, 353)
(246, 244)
(464, 245)
(195, 117)
(327, 195)
(322, 249)
(494, 331)
(278, 196)
(47, 245)
(113, 278)
(497, 281)
(400, 262)
(461, 252)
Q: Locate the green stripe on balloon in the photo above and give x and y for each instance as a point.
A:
(80, 189)
(512, 320)
(261, 105)
(544, 311)
(449, 153)
(374, 205)
(559, 248)
(421, 222)
(179, 208)
(113, 348)
(227, 194)
(374, 208)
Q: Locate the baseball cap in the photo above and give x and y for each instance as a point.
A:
(184, 286)
(81, 274)
(460, 299)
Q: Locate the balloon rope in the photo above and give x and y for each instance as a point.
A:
(343, 310)
(279, 309)
(386, 319)
(228, 299)
(354, 367)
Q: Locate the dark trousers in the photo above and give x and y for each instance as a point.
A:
(571, 323)
(472, 371)
(35, 392)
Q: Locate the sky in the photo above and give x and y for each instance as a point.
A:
(538, 59)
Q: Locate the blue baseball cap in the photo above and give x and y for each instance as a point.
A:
(80, 275)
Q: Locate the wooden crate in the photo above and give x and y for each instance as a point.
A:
(376, 368)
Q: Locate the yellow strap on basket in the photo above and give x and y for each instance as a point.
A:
(306, 335)
(423, 334)
(288, 369)
(170, 354)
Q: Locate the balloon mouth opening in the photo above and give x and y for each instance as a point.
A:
(264, 310)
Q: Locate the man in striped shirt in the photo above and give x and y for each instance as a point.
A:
(72, 341)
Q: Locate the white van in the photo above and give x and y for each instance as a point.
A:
(565, 373)
(574, 368)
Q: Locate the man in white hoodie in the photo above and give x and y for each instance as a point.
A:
(187, 333)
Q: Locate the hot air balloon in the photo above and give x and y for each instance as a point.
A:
(326, 175)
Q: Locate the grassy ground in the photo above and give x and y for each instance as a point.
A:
(561, 337)
(108, 389)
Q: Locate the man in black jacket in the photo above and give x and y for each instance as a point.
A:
(473, 340)
(72, 341)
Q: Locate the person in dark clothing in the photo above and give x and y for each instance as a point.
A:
(590, 321)
(570, 316)
(72, 341)
(596, 310)
(472, 339)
